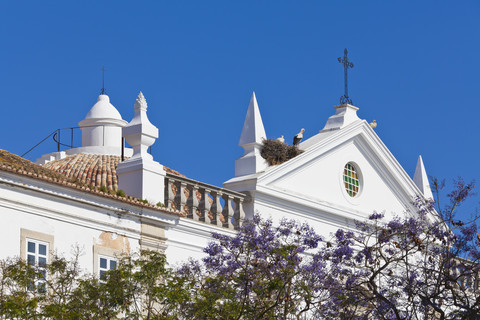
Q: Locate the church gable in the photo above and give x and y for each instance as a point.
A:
(349, 169)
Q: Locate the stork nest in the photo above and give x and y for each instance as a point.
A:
(276, 152)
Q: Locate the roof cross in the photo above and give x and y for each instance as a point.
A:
(103, 81)
(346, 64)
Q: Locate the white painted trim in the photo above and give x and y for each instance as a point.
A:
(378, 154)
(37, 236)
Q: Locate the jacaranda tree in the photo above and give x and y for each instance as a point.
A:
(415, 266)
(419, 265)
(263, 272)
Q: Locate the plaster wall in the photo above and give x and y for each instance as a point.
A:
(322, 221)
(321, 180)
(93, 224)
(188, 238)
(142, 178)
(71, 224)
(104, 135)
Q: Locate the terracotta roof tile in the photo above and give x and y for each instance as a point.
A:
(25, 166)
(72, 175)
(92, 169)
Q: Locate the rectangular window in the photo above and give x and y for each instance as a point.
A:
(105, 264)
(37, 256)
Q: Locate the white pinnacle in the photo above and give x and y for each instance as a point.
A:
(251, 140)
(421, 179)
(253, 130)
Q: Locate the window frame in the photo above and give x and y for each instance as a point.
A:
(109, 260)
(38, 239)
(104, 252)
(351, 179)
(35, 236)
(356, 200)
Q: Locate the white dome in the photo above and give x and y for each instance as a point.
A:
(102, 127)
(103, 109)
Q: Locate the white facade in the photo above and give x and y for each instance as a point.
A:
(68, 218)
(310, 187)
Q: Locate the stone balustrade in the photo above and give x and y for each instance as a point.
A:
(202, 202)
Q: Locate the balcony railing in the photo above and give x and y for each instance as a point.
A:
(204, 202)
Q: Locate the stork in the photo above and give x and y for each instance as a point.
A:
(298, 137)
(281, 139)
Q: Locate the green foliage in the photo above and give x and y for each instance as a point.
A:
(18, 297)
(103, 189)
(276, 152)
(160, 204)
(141, 287)
(405, 268)
(120, 193)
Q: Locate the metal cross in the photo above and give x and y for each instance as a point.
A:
(103, 81)
(346, 64)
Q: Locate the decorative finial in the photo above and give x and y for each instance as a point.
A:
(103, 81)
(346, 64)
(141, 102)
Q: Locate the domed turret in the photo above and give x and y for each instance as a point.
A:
(103, 109)
(102, 127)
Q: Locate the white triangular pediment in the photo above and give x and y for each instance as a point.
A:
(316, 176)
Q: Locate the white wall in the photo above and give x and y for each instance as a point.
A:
(46, 209)
(75, 218)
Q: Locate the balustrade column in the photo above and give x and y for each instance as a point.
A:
(216, 208)
(228, 211)
(209, 208)
(239, 214)
(192, 203)
(169, 196)
(205, 206)
(180, 199)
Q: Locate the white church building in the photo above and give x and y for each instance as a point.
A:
(107, 200)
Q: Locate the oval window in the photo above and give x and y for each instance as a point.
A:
(351, 180)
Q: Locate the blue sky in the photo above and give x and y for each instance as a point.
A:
(197, 63)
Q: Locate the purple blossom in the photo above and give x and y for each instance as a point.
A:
(461, 191)
(340, 235)
(395, 225)
(404, 264)
(376, 216)
(469, 231)
(343, 253)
